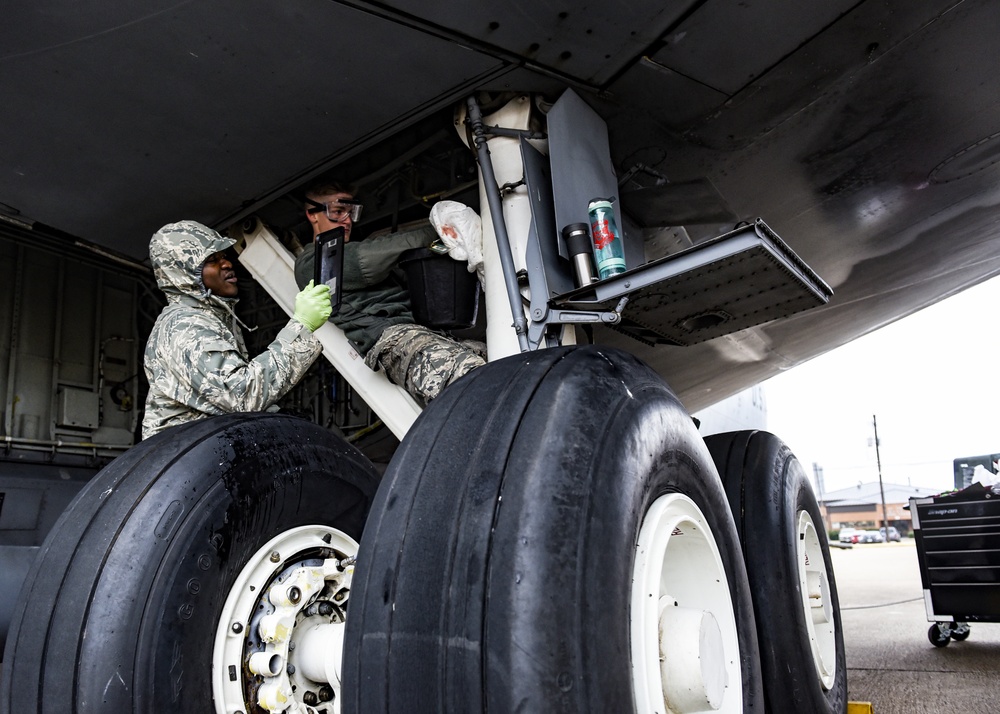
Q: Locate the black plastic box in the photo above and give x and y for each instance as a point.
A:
(443, 294)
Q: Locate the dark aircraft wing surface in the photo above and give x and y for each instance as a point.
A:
(864, 132)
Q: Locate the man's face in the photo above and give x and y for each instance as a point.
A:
(218, 275)
(321, 222)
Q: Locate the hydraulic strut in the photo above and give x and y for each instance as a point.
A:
(475, 119)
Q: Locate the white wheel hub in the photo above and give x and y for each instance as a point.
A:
(685, 645)
(816, 603)
(279, 642)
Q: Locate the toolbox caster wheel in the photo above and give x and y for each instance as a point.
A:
(939, 637)
(960, 631)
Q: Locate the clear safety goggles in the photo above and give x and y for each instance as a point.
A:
(339, 210)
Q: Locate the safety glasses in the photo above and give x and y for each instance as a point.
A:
(337, 210)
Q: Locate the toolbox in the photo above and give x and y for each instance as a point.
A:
(958, 551)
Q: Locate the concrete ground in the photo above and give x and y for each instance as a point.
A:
(890, 661)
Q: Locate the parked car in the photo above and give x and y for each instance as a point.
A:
(893, 534)
(849, 535)
(870, 537)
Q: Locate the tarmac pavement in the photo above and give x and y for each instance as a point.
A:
(890, 661)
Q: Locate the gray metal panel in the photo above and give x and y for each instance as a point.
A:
(20, 509)
(79, 306)
(67, 309)
(14, 564)
(548, 253)
(678, 204)
(77, 408)
(781, 55)
(582, 168)
(591, 41)
(736, 281)
(249, 92)
(33, 497)
(672, 98)
(714, 47)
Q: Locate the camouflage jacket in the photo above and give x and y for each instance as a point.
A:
(196, 360)
(374, 295)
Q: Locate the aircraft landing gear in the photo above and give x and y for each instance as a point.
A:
(791, 574)
(221, 538)
(552, 536)
(280, 637)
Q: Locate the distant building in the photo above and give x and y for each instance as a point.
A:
(861, 506)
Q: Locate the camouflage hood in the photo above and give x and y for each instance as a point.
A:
(177, 252)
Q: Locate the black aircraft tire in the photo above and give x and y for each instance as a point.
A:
(120, 610)
(495, 573)
(775, 511)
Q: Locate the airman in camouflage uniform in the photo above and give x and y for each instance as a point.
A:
(196, 360)
(375, 309)
(423, 361)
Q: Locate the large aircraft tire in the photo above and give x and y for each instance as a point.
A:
(496, 570)
(791, 573)
(120, 612)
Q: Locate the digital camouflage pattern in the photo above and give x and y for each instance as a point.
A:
(423, 361)
(196, 360)
(374, 292)
(375, 316)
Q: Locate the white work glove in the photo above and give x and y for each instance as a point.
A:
(461, 230)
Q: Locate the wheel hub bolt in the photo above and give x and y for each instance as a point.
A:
(325, 693)
(310, 698)
(275, 557)
(237, 627)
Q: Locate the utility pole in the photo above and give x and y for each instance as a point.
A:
(881, 488)
(818, 472)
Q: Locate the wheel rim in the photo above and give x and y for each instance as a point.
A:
(279, 640)
(685, 645)
(817, 606)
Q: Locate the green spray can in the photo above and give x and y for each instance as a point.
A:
(609, 253)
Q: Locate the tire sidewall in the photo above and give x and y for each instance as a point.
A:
(249, 505)
(496, 571)
(583, 500)
(770, 540)
(156, 578)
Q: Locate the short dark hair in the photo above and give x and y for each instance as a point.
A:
(325, 187)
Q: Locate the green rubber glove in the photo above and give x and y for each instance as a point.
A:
(312, 306)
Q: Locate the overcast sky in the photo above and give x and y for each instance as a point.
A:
(932, 380)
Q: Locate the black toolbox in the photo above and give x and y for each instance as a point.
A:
(958, 551)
